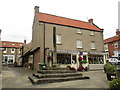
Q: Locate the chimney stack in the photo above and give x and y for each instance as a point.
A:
(117, 32)
(90, 20)
(0, 34)
(36, 9)
(25, 41)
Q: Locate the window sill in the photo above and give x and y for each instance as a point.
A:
(58, 43)
(92, 35)
(80, 48)
(93, 48)
(79, 33)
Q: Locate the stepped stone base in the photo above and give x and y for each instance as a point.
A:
(56, 71)
(51, 76)
(35, 80)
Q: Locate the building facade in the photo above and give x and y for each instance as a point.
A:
(112, 45)
(11, 52)
(59, 40)
(27, 57)
(0, 54)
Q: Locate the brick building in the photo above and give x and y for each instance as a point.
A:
(59, 40)
(11, 51)
(112, 45)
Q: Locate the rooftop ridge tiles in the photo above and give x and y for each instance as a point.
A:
(64, 17)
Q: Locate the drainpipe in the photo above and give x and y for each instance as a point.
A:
(54, 46)
(44, 43)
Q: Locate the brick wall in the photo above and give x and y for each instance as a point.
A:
(36, 58)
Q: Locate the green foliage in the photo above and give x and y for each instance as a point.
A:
(109, 68)
(84, 61)
(115, 84)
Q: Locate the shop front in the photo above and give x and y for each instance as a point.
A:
(96, 60)
(67, 59)
(91, 60)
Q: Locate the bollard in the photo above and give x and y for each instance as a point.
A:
(118, 73)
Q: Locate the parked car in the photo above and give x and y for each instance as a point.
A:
(114, 60)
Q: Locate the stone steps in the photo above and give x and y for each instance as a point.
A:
(55, 71)
(51, 76)
(36, 80)
(56, 75)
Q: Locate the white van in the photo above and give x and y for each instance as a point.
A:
(114, 60)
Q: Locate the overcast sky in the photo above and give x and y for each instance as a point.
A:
(16, 16)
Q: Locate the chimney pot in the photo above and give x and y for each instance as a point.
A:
(117, 32)
(90, 20)
(36, 9)
(25, 41)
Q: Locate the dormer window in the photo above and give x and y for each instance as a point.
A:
(13, 44)
(20, 44)
(79, 31)
(4, 43)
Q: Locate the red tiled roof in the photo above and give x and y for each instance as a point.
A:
(11, 44)
(112, 39)
(65, 21)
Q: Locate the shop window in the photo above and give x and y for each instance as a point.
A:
(84, 57)
(93, 45)
(58, 39)
(64, 58)
(79, 43)
(79, 31)
(8, 59)
(73, 59)
(95, 59)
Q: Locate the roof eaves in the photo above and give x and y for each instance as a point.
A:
(70, 26)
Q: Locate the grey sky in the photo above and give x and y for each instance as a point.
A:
(16, 16)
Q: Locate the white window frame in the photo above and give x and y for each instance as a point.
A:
(13, 44)
(19, 50)
(116, 44)
(106, 47)
(79, 31)
(58, 39)
(12, 50)
(9, 58)
(21, 45)
(5, 51)
(79, 44)
(92, 33)
(92, 45)
(4, 43)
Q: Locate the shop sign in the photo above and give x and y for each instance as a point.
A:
(97, 53)
(65, 51)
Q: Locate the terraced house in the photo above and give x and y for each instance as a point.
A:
(112, 45)
(59, 40)
(11, 51)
